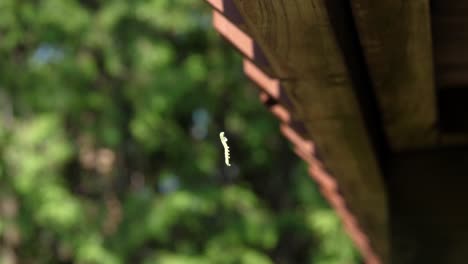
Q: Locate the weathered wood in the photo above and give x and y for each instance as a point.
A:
(396, 37)
(277, 109)
(330, 190)
(230, 31)
(450, 38)
(230, 23)
(265, 82)
(297, 35)
(450, 41)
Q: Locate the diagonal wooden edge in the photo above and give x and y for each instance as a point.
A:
(230, 25)
(270, 85)
(228, 10)
(217, 4)
(277, 102)
(298, 141)
(243, 42)
(316, 171)
(278, 110)
(330, 190)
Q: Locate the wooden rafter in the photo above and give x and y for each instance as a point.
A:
(396, 37)
(308, 67)
(354, 86)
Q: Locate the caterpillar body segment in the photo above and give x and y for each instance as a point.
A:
(226, 148)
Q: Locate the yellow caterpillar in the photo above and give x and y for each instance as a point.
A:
(226, 148)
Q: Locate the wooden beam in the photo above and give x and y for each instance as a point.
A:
(275, 108)
(230, 24)
(396, 36)
(265, 82)
(297, 35)
(450, 39)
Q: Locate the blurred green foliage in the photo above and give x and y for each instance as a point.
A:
(109, 152)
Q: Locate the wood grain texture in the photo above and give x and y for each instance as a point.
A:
(231, 26)
(239, 39)
(296, 35)
(396, 37)
(268, 84)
